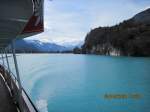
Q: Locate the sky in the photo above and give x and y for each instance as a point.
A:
(71, 20)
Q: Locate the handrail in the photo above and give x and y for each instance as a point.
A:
(30, 100)
(12, 74)
(13, 78)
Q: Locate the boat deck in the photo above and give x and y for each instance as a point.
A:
(6, 102)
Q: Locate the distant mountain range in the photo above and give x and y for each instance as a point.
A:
(129, 38)
(36, 46)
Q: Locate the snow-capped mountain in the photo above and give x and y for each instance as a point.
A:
(38, 46)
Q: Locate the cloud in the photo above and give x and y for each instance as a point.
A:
(69, 20)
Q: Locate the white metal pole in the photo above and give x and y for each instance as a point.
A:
(16, 66)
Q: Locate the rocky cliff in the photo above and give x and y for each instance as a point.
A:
(129, 38)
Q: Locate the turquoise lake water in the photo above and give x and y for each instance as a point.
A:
(85, 83)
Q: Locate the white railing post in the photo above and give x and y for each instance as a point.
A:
(18, 76)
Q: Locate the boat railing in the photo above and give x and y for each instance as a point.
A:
(23, 101)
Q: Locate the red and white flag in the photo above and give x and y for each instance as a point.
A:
(35, 23)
